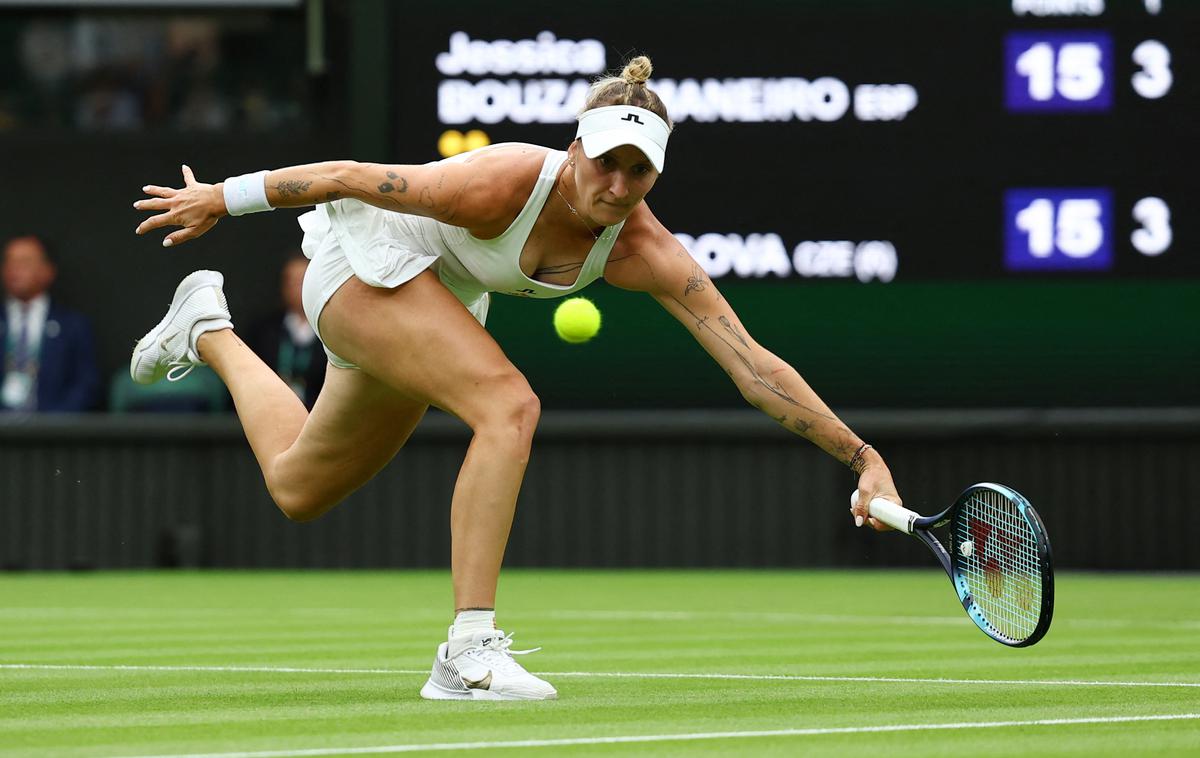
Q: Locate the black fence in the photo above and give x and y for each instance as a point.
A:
(698, 489)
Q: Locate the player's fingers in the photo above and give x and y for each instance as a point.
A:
(878, 525)
(188, 178)
(153, 204)
(154, 189)
(180, 236)
(858, 505)
(188, 233)
(154, 222)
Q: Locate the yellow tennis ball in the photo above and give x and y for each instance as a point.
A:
(577, 320)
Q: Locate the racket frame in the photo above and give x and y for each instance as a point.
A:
(910, 522)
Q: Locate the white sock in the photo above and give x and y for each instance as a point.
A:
(208, 325)
(468, 622)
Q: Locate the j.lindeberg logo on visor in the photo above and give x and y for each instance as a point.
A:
(634, 118)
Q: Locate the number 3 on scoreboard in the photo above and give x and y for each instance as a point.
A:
(1155, 78)
(1155, 236)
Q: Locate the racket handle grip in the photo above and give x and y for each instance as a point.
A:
(896, 516)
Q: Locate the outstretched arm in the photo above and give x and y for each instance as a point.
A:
(651, 260)
(455, 192)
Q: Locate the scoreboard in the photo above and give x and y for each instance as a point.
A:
(911, 140)
(914, 202)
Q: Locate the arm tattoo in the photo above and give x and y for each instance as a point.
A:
(292, 187)
(564, 268)
(702, 323)
(696, 281)
(729, 327)
(389, 187)
(446, 205)
(351, 190)
(859, 466)
(845, 448)
(776, 389)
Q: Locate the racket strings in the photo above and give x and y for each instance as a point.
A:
(1003, 569)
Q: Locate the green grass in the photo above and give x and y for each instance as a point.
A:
(1129, 628)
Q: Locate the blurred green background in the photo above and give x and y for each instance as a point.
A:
(902, 344)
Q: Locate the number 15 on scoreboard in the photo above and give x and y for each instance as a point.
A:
(1058, 71)
(1058, 229)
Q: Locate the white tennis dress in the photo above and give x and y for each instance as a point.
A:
(384, 248)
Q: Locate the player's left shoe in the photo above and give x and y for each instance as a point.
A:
(484, 670)
(169, 349)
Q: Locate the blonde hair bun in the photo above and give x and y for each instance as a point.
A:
(638, 70)
(629, 88)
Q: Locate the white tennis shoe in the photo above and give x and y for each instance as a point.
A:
(169, 349)
(484, 670)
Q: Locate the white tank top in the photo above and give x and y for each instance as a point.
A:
(469, 266)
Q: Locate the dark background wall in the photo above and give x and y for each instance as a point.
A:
(699, 488)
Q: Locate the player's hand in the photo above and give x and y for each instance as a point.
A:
(875, 481)
(196, 207)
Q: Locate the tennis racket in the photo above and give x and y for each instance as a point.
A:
(995, 550)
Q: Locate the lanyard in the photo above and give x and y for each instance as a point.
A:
(32, 352)
(18, 391)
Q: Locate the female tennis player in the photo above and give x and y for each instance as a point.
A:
(403, 260)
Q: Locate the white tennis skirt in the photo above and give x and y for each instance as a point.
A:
(348, 238)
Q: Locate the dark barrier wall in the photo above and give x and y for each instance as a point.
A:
(613, 490)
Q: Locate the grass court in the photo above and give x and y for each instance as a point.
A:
(646, 663)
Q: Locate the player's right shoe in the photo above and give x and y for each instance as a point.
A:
(484, 670)
(169, 349)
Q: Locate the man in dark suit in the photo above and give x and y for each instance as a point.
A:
(47, 352)
(286, 342)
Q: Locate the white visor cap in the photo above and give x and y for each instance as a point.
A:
(602, 129)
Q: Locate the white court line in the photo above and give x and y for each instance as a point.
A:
(782, 617)
(604, 675)
(218, 669)
(883, 679)
(624, 739)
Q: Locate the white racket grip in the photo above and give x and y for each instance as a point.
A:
(896, 516)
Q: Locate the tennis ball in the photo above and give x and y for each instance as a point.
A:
(577, 320)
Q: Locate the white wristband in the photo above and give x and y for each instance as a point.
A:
(247, 194)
